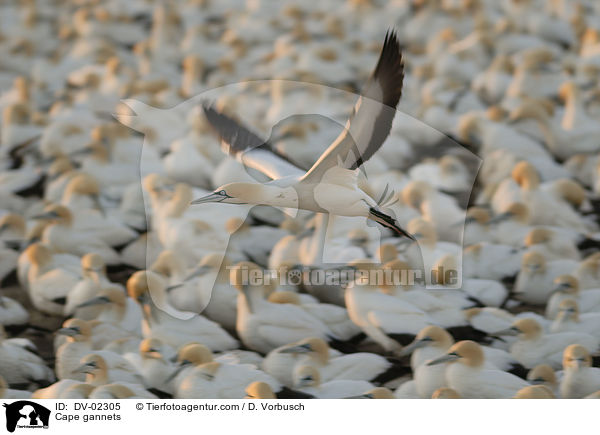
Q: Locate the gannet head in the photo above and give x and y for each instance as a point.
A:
(533, 262)
(55, 214)
(235, 193)
(542, 374)
(93, 365)
(566, 284)
(150, 348)
(306, 376)
(576, 356)
(314, 345)
(38, 254)
(516, 211)
(12, 221)
(109, 295)
(525, 175)
(445, 393)
(259, 390)
(76, 329)
(527, 328)
(191, 354)
(535, 392)
(538, 236)
(478, 214)
(92, 263)
(429, 336)
(468, 352)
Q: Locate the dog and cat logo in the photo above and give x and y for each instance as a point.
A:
(24, 414)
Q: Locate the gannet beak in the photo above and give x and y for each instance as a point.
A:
(47, 215)
(100, 300)
(213, 197)
(69, 332)
(508, 331)
(408, 349)
(560, 288)
(84, 368)
(443, 359)
(178, 370)
(304, 348)
(501, 217)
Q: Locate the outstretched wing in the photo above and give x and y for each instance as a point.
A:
(249, 148)
(371, 121)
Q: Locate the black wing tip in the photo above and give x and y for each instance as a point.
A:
(390, 68)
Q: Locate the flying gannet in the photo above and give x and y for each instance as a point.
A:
(330, 185)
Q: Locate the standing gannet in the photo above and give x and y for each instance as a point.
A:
(472, 379)
(330, 186)
(569, 319)
(579, 377)
(70, 353)
(533, 347)
(264, 326)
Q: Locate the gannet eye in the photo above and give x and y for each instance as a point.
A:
(222, 193)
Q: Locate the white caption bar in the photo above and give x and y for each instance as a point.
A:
(308, 417)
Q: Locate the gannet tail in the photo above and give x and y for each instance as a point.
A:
(388, 222)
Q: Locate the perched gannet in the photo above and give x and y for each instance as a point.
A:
(316, 352)
(552, 244)
(471, 378)
(152, 365)
(307, 379)
(567, 287)
(116, 310)
(579, 377)
(99, 370)
(534, 283)
(330, 185)
(222, 381)
(93, 271)
(432, 342)
(533, 347)
(48, 282)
